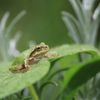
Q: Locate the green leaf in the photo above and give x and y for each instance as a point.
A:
(78, 75)
(77, 6)
(14, 22)
(53, 91)
(4, 22)
(73, 25)
(66, 50)
(95, 25)
(11, 83)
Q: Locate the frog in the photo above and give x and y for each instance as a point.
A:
(30, 58)
(36, 55)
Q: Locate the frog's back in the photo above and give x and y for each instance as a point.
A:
(20, 59)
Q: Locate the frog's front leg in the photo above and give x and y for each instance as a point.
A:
(28, 62)
(50, 56)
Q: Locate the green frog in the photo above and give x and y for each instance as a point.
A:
(29, 58)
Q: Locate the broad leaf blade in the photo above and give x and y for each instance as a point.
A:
(78, 75)
(11, 83)
(66, 50)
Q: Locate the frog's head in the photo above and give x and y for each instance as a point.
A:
(42, 48)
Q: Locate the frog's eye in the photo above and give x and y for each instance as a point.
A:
(38, 48)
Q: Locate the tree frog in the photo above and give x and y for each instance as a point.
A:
(29, 58)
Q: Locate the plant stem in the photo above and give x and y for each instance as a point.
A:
(33, 93)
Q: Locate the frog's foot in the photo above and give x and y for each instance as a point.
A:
(24, 68)
(50, 56)
(21, 68)
(27, 66)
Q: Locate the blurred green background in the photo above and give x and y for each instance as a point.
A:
(42, 21)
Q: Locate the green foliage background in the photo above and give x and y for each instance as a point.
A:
(41, 23)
